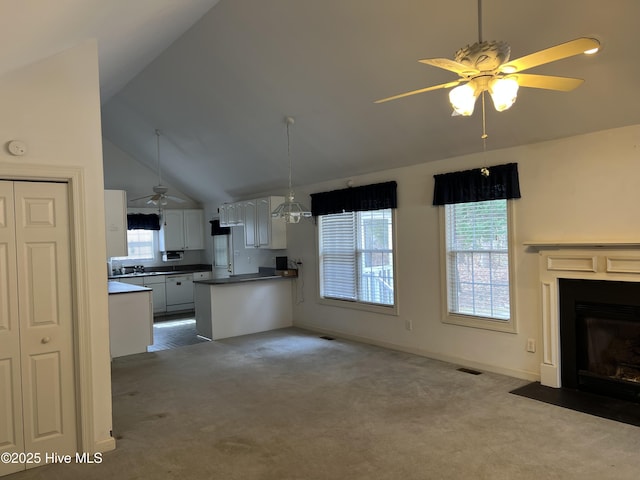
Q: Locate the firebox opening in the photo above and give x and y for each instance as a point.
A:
(600, 337)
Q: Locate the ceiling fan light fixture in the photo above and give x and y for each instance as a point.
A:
(504, 92)
(463, 99)
(595, 49)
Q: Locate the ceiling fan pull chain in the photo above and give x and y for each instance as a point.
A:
(484, 126)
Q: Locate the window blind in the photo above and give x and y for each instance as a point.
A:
(338, 256)
(477, 242)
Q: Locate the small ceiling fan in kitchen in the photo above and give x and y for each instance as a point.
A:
(486, 67)
(159, 196)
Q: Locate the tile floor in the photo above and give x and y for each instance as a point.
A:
(173, 331)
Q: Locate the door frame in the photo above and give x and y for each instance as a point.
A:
(74, 177)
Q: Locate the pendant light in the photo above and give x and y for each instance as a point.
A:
(290, 210)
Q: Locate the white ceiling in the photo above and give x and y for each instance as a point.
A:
(220, 92)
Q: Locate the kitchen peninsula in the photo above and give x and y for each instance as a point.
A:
(130, 319)
(242, 304)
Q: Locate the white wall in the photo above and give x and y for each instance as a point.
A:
(580, 188)
(123, 172)
(54, 107)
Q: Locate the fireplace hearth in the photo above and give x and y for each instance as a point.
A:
(600, 337)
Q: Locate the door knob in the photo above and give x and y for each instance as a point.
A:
(46, 339)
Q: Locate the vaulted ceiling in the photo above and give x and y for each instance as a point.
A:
(218, 78)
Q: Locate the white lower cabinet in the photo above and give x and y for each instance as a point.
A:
(171, 293)
(202, 276)
(157, 284)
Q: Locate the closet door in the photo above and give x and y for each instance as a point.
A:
(41, 333)
(11, 431)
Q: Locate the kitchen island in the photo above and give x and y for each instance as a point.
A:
(242, 304)
(130, 319)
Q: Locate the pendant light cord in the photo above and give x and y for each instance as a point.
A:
(289, 154)
(158, 155)
(289, 121)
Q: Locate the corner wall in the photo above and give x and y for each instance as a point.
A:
(54, 107)
(580, 188)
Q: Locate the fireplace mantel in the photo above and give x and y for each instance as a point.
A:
(569, 244)
(613, 261)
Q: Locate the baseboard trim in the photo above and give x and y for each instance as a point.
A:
(105, 445)
(510, 372)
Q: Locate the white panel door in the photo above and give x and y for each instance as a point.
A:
(44, 342)
(11, 430)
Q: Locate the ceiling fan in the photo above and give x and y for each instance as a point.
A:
(485, 66)
(159, 196)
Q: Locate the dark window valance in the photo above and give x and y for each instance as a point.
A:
(355, 199)
(143, 221)
(476, 185)
(216, 229)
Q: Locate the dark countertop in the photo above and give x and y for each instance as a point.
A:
(247, 277)
(182, 271)
(119, 287)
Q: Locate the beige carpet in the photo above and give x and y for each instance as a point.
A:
(290, 405)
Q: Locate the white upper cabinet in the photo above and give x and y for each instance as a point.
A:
(115, 212)
(182, 230)
(231, 214)
(261, 230)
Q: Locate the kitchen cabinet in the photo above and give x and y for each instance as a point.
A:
(179, 289)
(182, 230)
(202, 275)
(157, 284)
(261, 230)
(115, 213)
(231, 214)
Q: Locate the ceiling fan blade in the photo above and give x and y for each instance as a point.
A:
(175, 199)
(421, 90)
(552, 54)
(153, 200)
(548, 82)
(139, 198)
(450, 65)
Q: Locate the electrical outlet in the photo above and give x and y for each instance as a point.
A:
(531, 345)
(408, 325)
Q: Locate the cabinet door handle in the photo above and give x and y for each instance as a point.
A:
(45, 340)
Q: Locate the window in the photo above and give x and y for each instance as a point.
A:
(357, 257)
(141, 245)
(477, 264)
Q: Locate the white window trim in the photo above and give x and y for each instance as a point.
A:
(393, 310)
(508, 326)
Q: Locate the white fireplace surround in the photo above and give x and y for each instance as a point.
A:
(613, 261)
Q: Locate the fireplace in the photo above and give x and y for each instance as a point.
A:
(599, 324)
(600, 265)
